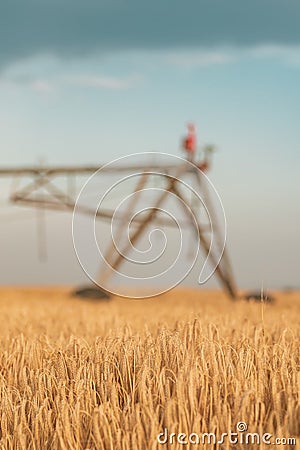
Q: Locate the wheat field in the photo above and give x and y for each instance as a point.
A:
(79, 374)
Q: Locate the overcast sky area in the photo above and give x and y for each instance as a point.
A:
(89, 81)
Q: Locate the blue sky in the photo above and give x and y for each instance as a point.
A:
(74, 92)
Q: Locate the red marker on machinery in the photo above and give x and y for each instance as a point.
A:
(190, 142)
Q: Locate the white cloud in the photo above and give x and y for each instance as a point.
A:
(103, 82)
(289, 55)
(199, 58)
(48, 77)
(45, 86)
(42, 86)
(39, 85)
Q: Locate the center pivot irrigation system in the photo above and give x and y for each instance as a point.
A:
(44, 189)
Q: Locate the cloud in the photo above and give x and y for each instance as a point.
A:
(40, 86)
(48, 86)
(76, 28)
(195, 59)
(101, 82)
(289, 55)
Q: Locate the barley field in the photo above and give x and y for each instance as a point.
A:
(79, 374)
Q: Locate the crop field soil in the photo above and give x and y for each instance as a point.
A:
(173, 372)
